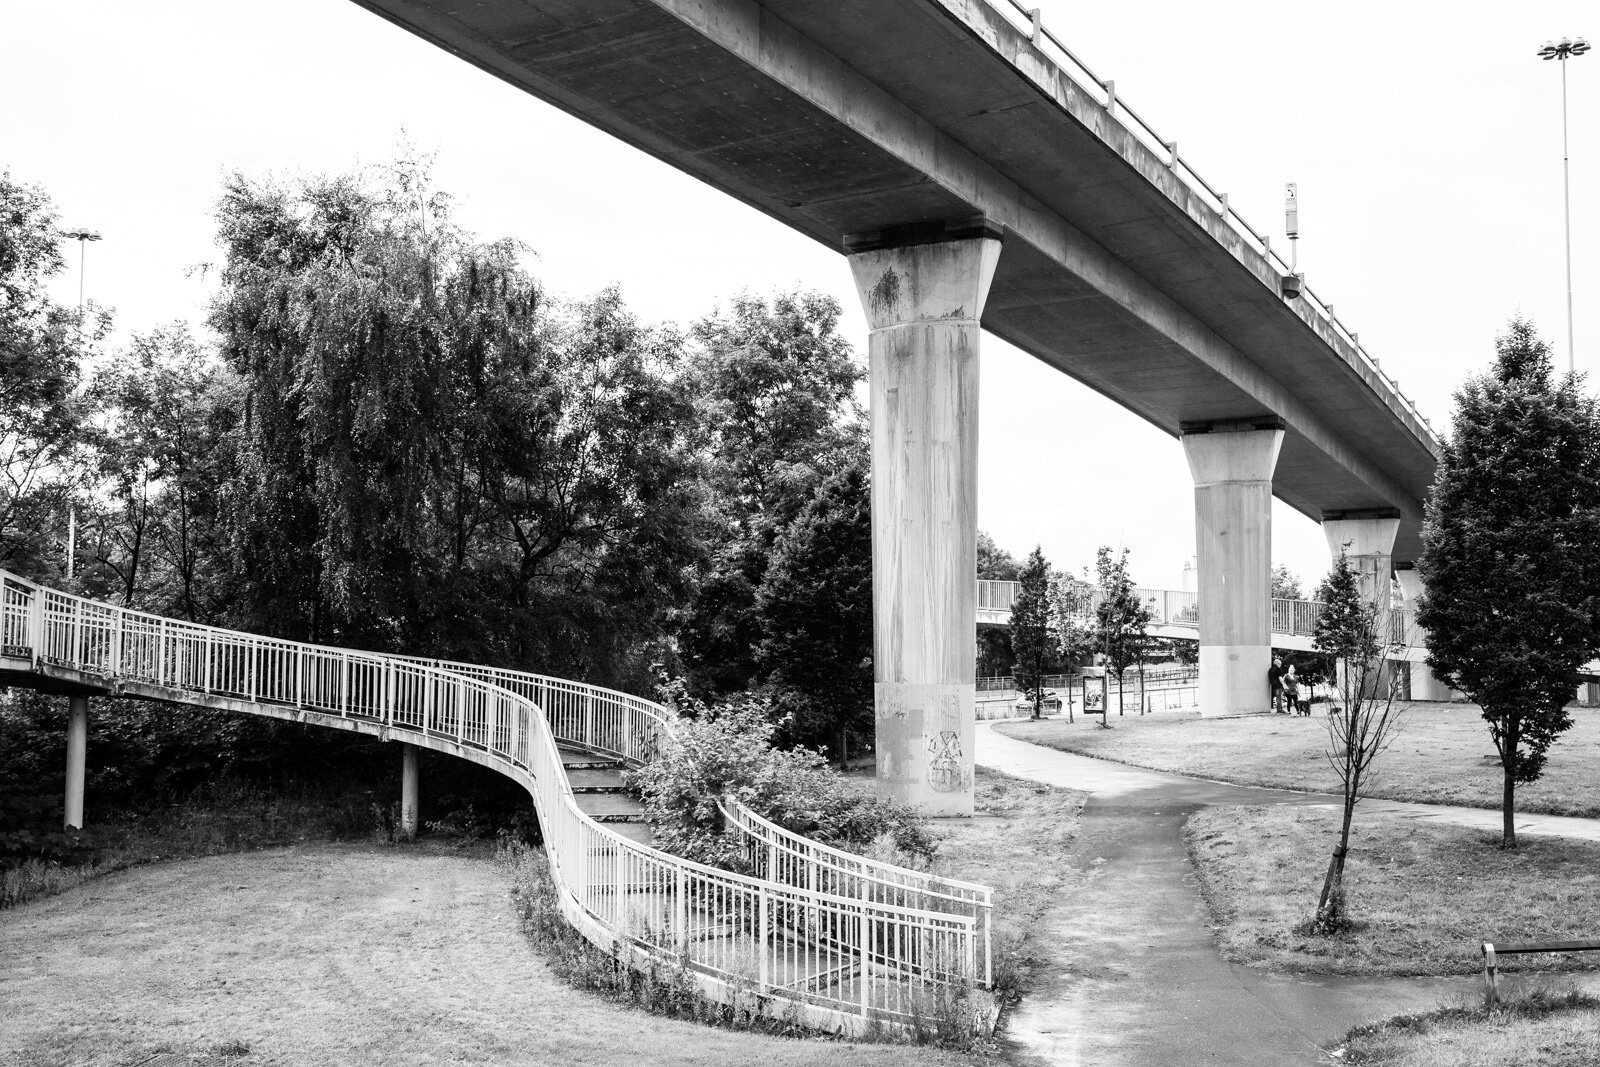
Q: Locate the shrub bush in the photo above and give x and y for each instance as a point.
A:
(725, 751)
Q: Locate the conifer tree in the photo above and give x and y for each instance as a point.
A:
(1032, 642)
(1511, 553)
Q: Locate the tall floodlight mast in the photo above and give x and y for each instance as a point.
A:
(1562, 50)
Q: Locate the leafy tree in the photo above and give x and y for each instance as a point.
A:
(995, 564)
(1365, 722)
(1285, 585)
(815, 609)
(774, 384)
(1511, 553)
(42, 346)
(166, 458)
(435, 457)
(1121, 618)
(1033, 638)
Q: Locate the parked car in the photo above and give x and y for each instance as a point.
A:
(1052, 702)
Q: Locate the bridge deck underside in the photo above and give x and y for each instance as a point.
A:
(839, 119)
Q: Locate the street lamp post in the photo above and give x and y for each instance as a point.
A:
(83, 237)
(1562, 50)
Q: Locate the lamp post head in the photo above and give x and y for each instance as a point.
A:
(1567, 46)
(81, 235)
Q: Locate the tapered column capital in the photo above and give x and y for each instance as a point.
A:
(923, 274)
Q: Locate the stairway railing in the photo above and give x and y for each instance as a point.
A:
(831, 950)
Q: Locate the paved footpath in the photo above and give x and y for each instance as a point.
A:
(1134, 978)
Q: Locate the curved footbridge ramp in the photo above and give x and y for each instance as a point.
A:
(826, 938)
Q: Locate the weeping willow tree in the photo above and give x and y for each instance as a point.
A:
(439, 457)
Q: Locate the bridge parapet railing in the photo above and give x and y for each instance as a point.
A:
(1105, 93)
(873, 955)
(633, 730)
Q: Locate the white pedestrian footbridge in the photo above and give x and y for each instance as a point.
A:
(824, 937)
(1176, 613)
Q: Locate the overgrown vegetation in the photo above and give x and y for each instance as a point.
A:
(726, 750)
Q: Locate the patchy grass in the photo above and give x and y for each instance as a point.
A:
(1016, 843)
(1548, 1027)
(1438, 757)
(1422, 896)
(324, 955)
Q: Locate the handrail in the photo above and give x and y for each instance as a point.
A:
(834, 960)
(1106, 94)
(776, 853)
(1176, 607)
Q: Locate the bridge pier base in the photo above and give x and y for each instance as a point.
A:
(1232, 464)
(1424, 686)
(923, 289)
(1367, 539)
(408, 791)
(77, 755)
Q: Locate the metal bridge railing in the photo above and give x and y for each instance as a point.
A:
(843, 939)
(1174, 607)
(1027, 20)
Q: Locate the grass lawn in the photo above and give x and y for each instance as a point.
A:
(1423, 896)
(1437, 758)
(332, 954)
(1546, 1031)
(1016, 844)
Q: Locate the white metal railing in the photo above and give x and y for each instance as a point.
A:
(1026, 20)
(842, 938)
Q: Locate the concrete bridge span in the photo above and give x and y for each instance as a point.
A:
(977, 174)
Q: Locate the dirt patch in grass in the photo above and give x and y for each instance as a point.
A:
(1550, 1028)
(331, 954)
(1423, 896)
(1438, 757)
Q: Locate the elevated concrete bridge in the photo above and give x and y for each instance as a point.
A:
(976, 173)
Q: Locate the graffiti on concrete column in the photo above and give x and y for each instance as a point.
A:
(945, 773)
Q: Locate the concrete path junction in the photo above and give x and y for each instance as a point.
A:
(1134, 978)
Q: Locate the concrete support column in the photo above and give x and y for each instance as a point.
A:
(408, 791)
(77, 754)
(1424, 686)
(1232, 464)
(1367, 537)
(923, 289)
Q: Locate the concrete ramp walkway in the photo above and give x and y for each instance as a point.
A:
(1132, 977)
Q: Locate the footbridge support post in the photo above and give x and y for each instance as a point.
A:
(1424, 686)
(923, 288)
(1232, 463)
(408, 791)
(77, 755)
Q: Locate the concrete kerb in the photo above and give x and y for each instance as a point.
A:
(1133, 977)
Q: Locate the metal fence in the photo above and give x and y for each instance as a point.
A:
(833, 938)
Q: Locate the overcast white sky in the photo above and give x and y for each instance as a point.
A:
(1425, 138)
